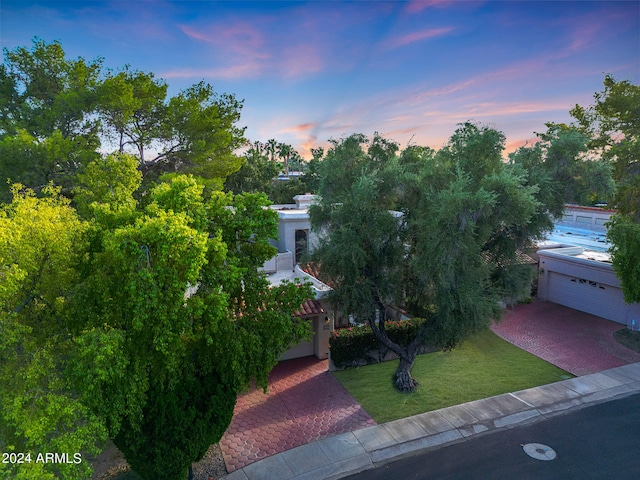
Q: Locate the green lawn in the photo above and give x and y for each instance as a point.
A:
(483, 366)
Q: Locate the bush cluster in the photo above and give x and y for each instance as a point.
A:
(355, 346)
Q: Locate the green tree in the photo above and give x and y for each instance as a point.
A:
(437, 233)
(613, 125)
(257, 172)
(564, 169)
(47, 130)
(624, 235)
(284, 153)
(133, 107)
(157, 317)
(57, 114)
(41, 242)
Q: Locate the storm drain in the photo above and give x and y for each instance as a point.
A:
(539, 451)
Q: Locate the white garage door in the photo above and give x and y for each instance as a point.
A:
(587, 296)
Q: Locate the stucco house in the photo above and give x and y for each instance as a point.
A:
(294, 241)
(574, 268)
(584, 280)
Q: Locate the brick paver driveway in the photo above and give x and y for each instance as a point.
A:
(574, 341)
(305, 403)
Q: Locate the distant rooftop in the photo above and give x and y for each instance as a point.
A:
(589, 239)
(580, 252)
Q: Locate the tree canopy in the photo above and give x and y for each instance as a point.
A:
(437, 233)
(58, 114)
(613, 127)
(565, 169)
(265, 168)
(140, 322)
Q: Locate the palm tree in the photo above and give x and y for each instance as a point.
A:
(284, 152)
(270, 148)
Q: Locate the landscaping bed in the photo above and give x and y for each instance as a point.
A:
(628, 338)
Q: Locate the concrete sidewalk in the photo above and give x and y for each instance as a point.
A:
(348, 453)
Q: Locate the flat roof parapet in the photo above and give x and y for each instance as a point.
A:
(304, 201)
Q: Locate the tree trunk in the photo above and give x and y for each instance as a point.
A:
(404, 381)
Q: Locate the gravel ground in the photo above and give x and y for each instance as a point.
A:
(111, 465)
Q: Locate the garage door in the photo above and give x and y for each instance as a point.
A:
(587, 296)
(302, 349)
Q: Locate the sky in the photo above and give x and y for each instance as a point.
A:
(318, 70)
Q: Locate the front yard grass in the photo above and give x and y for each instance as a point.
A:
(483, 366)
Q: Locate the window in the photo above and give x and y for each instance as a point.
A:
(591, 283)
(302, 244)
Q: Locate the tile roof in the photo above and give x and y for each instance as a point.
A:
(308, 308)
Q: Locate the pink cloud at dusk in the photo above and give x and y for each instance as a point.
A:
(415, 37)
(513, 146)
(311, 71)
(240, 38)
(305, 127)
(258, 49)
(416, 6)
(300, 60)
(245, 70)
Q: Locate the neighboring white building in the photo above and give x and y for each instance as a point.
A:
(294, 241)
(575, 269)
(589, 218)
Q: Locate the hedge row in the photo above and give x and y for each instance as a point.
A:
(355, 346)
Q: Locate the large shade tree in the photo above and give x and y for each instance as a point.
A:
(137, 322)
(613, 125)
(438, 233)
(57, 114)
(565, 169)
(46, 129)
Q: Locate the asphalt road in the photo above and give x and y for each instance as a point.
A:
(601, 442)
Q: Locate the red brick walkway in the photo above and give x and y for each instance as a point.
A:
(305, 403)
(574, 341)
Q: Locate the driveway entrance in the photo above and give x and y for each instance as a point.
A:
(305, 403)
(575, 341)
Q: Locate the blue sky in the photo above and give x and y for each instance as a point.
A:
(312, 71)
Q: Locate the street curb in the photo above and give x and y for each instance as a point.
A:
(353, 452)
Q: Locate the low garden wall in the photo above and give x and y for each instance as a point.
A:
(357, 346)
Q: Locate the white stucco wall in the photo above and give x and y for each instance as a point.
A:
(591, 218)
(586, 285)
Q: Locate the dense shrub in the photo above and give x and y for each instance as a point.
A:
(355, 346)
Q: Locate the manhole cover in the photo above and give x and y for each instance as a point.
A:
(539, 451)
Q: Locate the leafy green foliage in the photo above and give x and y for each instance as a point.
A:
(261, 168)
(624, 235)
(613, 126)
(40, 411)
(142, 322)
(435, 232)
(256, 173)
(46, 129)
(565, 172)
(57, 115)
